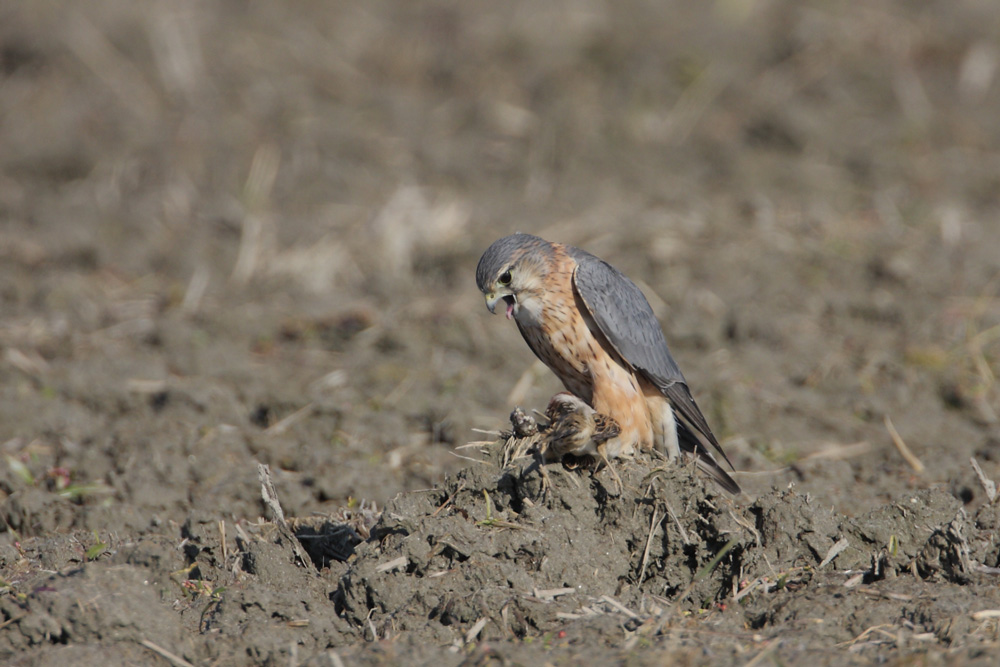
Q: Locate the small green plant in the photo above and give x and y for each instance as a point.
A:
(707, 570)
(199, 588)
(489, 521)
(4, 584)
(98, 548)
(21, 471)
(82, 491)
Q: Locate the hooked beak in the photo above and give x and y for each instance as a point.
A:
(491, 301)
(492, 298)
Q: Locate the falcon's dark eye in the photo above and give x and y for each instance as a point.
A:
(504, 278)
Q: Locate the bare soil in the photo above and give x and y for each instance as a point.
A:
(239, 233)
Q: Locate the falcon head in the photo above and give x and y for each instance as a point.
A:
(513, 270)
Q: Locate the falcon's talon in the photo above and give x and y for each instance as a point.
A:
(594, 328)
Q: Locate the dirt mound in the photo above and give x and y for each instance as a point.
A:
(528, 547)
(530, 550)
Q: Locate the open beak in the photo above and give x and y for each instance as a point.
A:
(508, 299)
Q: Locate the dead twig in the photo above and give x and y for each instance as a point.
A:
(165, 654)
(281, 426)
(12, 619)
(475, 630)
(619, 606)
(649, 541)
(875, 628)
(904, 451)
(855, 580)
(677, 522)
(988, 484)
(467, 458)
(268, 493)
(449, 501)
(748, 589)
(835, 451)
(887, 595)
(222, 538)
(476, 443)
(270, 497)
(835, 551)
(984, 569)
(549, 594)
(195, 290)
(768, 649)
(743, 523)
(394, 564)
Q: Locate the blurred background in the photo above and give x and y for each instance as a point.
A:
(235, 231)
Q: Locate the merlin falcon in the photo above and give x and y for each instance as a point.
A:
(595, 330)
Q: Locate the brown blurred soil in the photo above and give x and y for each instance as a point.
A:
(240, 233)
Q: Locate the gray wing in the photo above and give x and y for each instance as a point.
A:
(622, 313)
(626, 319)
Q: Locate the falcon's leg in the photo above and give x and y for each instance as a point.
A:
(664, 426)
(671, 442)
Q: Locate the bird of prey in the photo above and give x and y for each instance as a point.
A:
(595, 329)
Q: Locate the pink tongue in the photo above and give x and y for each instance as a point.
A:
(510, 310)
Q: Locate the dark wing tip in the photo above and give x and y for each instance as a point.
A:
(719, 476)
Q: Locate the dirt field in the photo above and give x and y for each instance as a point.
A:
(235, 233)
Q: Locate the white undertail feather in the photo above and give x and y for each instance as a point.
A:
(664, 427)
